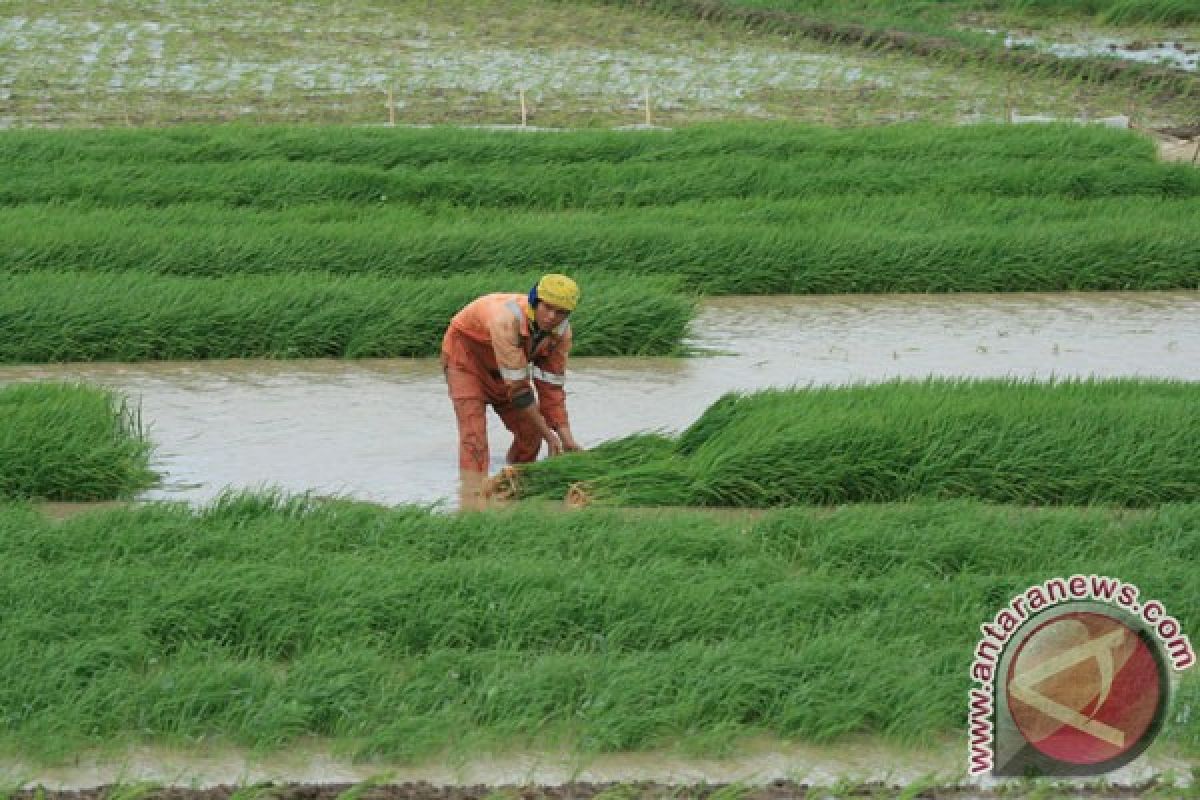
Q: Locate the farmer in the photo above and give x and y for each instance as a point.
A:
(509, 351)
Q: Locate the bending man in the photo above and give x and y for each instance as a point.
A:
(510, 351)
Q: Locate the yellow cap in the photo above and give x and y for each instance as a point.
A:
(558, 290)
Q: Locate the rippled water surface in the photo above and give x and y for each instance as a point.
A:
(383, 430)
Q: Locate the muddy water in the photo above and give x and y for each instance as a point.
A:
(383, 431)
(1179, 52)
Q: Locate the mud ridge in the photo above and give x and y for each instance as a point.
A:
(1169, 82)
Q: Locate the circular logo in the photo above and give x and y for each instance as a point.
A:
(1086, 689)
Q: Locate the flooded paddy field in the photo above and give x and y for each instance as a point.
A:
(382, 430)
(521, 61)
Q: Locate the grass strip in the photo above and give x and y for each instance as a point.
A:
(883, 27)
(1121, 443)
(55, 317)
(589, 185)
(67, 442)
(445, 147)
(740, 248)
(732, 209)
(285, 167)
(397, 632)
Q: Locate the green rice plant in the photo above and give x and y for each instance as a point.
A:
(732, 209)
(70, 442)
(618, 454)
(289, 167)
(1116, 12)
(581, 62)
(934, 30)
(264, 620)
(54, 317)
(138, 790)
(800, 249)
(360, 789)
(1120, 443)
(937, 20)
(446, 148)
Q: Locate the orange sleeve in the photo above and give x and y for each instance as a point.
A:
(549, 376)
(504, 330)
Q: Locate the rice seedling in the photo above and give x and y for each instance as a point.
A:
(136, 790)
(1080, 442)
(56, 317)
(398, 632)
(804, 249)
(733, 209)
(279, 168)
(70, 442)
(938, 28)
(464, 62)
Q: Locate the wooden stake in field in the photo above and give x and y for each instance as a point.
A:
(391, 108)
(647, 97)
(524, 111)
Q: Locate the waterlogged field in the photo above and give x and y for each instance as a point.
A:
(400, 634)
(464, 61)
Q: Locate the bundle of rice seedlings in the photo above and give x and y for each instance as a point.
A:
(1121, 442)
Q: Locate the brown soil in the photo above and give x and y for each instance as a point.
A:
(778, 790)
(1182, 132)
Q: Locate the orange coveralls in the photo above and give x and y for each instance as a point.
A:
(488, 356)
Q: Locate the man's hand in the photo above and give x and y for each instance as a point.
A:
(568, 440)
(553, 443)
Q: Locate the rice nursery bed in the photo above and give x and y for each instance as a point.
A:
(123, 316)
(1120, 443)
(70, 442)
(362, 215)
(399, 633)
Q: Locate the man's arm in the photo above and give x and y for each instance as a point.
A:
(549, 376)
(514, 370)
